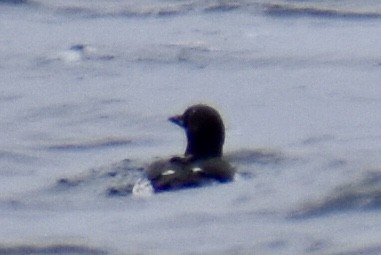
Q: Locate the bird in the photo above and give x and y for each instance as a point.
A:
(202, 161)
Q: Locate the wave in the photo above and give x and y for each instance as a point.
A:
(364, 194)
(287, 10)
(90, 145)
(51, 249)
(13, 1)
(201, 56)
(117, 179)
(154, 8)
(149, 8)
(367, 250)
(15, 157)
(127, 177)
(10, 98)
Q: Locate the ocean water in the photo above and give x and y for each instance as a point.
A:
(86, 88)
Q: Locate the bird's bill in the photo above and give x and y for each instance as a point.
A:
(177, 119)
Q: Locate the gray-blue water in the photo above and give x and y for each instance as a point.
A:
(85, 91)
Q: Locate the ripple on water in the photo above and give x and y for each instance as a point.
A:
(63, 249)
(362, 194)
(90, 145)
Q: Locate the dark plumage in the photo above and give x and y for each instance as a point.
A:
(202, 160)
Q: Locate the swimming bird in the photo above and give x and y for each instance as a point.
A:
(202, 161)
